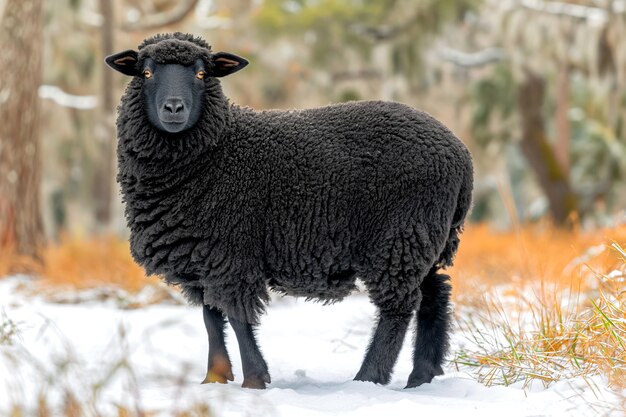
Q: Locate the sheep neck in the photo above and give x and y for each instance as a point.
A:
(156, 168)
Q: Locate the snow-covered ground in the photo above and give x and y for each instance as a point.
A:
(153, 359)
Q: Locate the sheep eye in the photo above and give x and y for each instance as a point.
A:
(148, 74)
(200, 75)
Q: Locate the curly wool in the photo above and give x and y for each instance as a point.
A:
(301, 202)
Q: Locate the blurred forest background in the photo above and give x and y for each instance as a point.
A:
(535, 88)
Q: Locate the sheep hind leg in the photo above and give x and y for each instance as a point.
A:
(384, 348)
(219, 368)
(395, 291)
(255, 373)
(433, 323)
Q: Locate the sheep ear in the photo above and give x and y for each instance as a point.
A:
(226, 64)
(124, 62)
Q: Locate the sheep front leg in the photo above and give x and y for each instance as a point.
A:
(219, 368)
(255, 373)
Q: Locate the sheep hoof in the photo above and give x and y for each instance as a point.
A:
(423, 374)
(213, 377)
(256, 381)
(220, 373)
(370, 374)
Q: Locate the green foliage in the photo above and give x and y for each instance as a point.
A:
(331, 27)
(75, 4)
(327, 25)
(597, 148)
(295, 16)
(493, 100)
(274, 92)
(349, 95)
(598, 145)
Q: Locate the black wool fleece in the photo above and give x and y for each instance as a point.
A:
(302, 202)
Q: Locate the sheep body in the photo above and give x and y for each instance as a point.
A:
(301, 202)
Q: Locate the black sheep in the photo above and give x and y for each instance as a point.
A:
(228, 202)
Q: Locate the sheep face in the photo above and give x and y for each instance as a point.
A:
(173, 94)
(175, 74)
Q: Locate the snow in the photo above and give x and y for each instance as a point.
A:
(153, 359)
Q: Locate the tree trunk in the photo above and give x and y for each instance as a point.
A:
(103, 179)
(563, 125)
(552, 178)
(20, 168)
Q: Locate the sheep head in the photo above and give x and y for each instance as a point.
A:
(175, 70)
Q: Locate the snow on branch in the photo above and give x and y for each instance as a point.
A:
(207, 19)
(472, 59)
(157, 20)
(593, 14)
(91, 18)
(60, 97)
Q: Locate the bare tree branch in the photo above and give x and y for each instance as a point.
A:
(380, 33)
(60, 97)
(363, 74)
(387, 32)
(472, 59)
(155, 21)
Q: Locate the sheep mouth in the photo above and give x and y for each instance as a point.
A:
(173, 126)
(173, 118)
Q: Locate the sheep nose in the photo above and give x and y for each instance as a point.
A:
(174, 105)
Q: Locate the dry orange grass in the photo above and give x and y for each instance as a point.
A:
(535, 253)
(542, 304)
(486, 256)
(555, 258)
(547, 342)
(11, 262)
(80, 263)
(96, 261)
